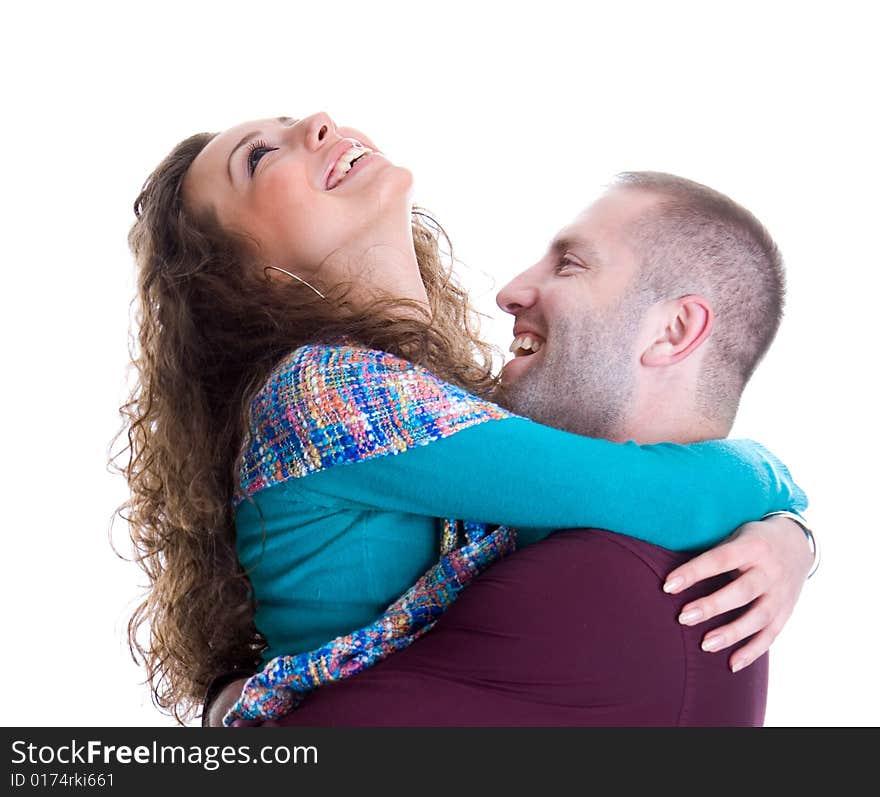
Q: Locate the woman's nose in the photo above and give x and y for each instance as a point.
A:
(318, 127)
(517, 295)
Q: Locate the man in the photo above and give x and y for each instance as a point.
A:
(644, 321)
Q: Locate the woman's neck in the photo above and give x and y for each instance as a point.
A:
(383, 264)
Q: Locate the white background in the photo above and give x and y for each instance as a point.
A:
(511, 116)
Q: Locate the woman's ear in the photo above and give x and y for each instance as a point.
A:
(683, 325)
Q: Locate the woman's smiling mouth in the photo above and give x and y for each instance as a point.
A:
(345, 162)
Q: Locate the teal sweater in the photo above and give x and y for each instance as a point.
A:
(347, 533)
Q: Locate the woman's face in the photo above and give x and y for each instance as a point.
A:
(310, 193)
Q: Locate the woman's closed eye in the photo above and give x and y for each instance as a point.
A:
(255, 152)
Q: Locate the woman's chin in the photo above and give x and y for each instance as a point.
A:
(392, 190)
(399, 180)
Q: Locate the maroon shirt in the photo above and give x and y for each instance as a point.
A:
(573, 630)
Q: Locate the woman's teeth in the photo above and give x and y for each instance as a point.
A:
(344, 164)
(525, 344)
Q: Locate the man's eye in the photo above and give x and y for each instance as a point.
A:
(255, 153)
(567, 262)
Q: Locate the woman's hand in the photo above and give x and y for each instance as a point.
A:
(773, 558)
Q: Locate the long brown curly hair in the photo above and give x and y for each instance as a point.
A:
(210, 329)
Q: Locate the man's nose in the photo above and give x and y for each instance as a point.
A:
(517, 295)
(318, 127)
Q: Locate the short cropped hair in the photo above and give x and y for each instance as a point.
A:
(697, 240)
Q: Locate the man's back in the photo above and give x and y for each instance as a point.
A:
(574, 630)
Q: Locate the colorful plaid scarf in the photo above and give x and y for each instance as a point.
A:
(332, 405)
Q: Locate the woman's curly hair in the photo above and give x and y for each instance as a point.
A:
(210, 329)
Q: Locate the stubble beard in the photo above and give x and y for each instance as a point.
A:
(586, 380)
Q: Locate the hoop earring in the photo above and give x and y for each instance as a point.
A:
(298, 279)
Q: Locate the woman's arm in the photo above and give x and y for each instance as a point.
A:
(359, 428)
(519, 473)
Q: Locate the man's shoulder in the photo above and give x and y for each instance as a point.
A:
(588, 542)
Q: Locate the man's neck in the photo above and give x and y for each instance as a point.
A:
(673, 417)
(670, 430)
(666, 409)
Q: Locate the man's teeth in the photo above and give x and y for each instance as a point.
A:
(344, 164)
(523, 344)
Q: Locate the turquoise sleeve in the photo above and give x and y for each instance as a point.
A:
(517, 472)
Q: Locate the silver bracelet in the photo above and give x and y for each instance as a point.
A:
(808, 532)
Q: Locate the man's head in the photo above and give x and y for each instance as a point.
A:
(651, 311)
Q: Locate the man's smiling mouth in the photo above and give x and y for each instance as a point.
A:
(526, 344)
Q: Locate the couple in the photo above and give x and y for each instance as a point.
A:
(316, 408)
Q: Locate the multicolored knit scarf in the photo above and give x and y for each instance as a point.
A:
(331, 405)
(282, 684)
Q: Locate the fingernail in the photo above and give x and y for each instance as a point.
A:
(673, 584)
(690, 616)
(738, 665)
(713, 643)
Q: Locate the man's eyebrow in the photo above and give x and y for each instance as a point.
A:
(247, 137)
(567, 242)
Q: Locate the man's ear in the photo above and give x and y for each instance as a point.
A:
(682, 326)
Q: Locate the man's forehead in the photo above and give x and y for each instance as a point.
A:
(583, 233)
(573, 236)
(604, 221)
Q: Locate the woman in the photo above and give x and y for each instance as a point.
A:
(313, 390)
